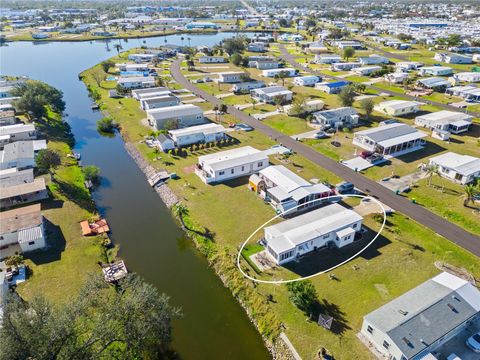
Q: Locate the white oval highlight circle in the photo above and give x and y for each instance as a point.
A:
(275, 282)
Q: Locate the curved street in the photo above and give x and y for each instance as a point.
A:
(423, 216)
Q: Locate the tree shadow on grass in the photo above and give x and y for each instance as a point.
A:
(76, 194)
(55, 242)
(325, 258)
(340, 323)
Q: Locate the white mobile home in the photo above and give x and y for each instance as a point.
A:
(327, 59)
(453, 58)
(286, 191)
(18, 154)
(308, 107)
(247, 86)
(309, 80)
(416, 324)
(20, 187)
(231, 77)
(462, 169)
(182, 115)
(264, 64)
(471, 77)
(392, 139)
(205, 133)
(17, 132)
(366, 70)
(212, 60)
(141, 58)
(270, 94)
(140, 94)
(373, 60)
(230, 164)
(435, 71)
(290, 72)
(396, 77)
(332, 224)
(398, 107)
(345, 116)
(451, 121)
(157, 102)
(136, 82)
(22, 230)
(344, 66)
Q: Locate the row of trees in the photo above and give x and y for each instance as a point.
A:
(35, 96)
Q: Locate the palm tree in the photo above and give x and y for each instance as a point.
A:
(182, 38)
(180, 211)
(470, 192)
(253, 101)
(431, 170)
(118, 47)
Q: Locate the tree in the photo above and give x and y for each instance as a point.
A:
(347, 95)
(367, 105)
(234, 45)
(107, 64)
(348, 52)
(47, 160)
(454, 40)
(129, 321)
(298, 105)
(107, 125)
(282, 75)
(303, 295)
(14, 260)
(34, 96)
(431, 170)
(283, 22)
(253, 101)
(470, 192)
(91, 172)
(223, 108)
(181, 211)
(98, 77)
(236, 59)
(118, 47)
(278, 101)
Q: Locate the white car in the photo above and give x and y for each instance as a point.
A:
(473, 342)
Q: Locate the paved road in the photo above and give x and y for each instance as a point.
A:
(441, 226)
(285, 55)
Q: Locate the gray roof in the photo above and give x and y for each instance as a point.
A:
(335, 113)
(16, 150)
(424, 314)
(387, 132)
(270, 89)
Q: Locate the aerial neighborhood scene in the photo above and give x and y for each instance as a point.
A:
(240, 179)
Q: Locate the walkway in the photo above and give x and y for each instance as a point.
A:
(289, 58)
(423, 216)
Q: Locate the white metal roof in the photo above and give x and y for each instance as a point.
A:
(462, 164)
(204, 128)
(231, 158)
(445, 117)
(398, 104)
(174, 111)
(311, 225)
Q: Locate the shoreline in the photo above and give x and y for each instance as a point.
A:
(148, 35)
(278, 348)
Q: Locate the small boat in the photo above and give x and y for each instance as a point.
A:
(77, 156)
(95, 107)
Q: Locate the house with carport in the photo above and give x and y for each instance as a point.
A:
(286, 191)
(454, 122)
(393, 139)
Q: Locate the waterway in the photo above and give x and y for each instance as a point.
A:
(214, 326)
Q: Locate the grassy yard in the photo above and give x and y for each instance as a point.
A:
(58, 272)
(401, 258)
(288, 125)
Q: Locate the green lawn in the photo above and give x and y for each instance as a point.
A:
(399, 260)
(58, 272)
(288, 125)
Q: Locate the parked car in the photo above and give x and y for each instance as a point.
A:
(198, 81)
(374, 158)
(345, 188)
(321, 135)
(473, 342)
(207, 79)
(365, 154)
(243, 127)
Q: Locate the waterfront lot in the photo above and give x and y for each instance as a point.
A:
(403, 257)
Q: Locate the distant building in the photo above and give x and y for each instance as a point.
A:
(435, 71)
(398, 107)
(16, 132)
(418, 323)
(231, 77)
(308, 80)
(134, 82)
(157, 102)
(201, 26)
(247, 86)
(290, 72)
(182, 115)
(212, 60)
(205, 133)
(20, 187)
(327, 59)
(332, 87)
(340, 117)
(453, 58)
(272, 94)
(451, 121)
(373, 60)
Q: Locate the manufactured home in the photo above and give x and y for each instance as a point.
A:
(340, 117)
(332, 225)
(230, 164)
(309, 80)
(289, 72)
(451, 121)
(272, 94)
(179, 116)
(398, 107)
(462, 169)
(157, 102)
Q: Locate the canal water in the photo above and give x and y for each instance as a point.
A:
(214, 326)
